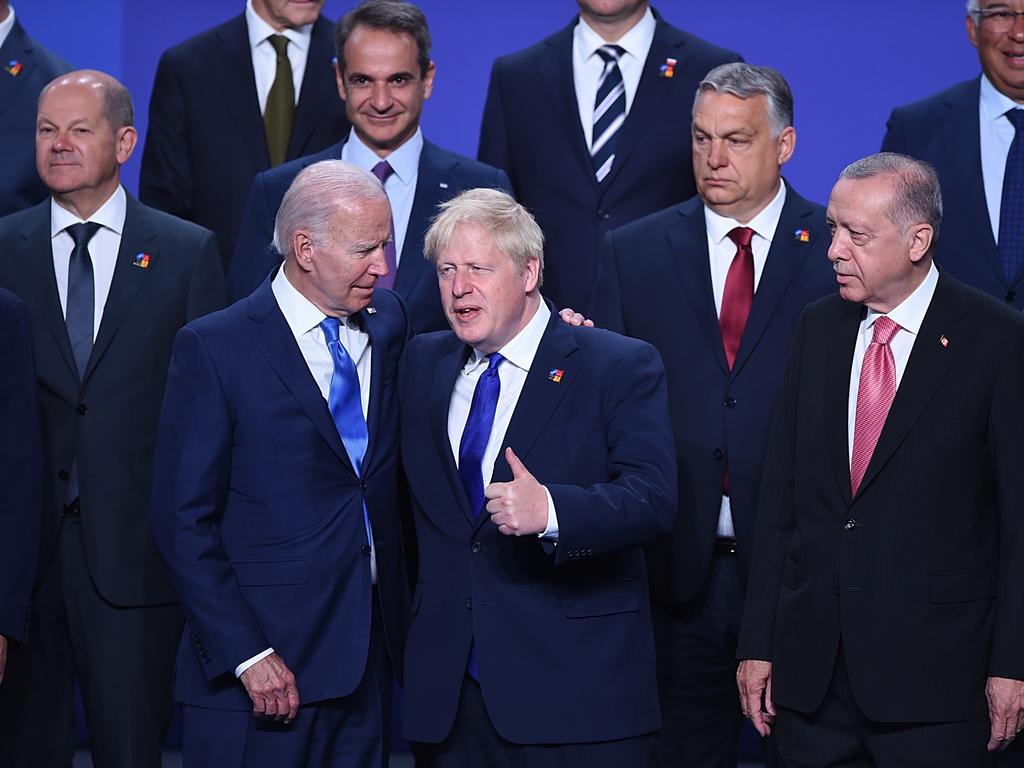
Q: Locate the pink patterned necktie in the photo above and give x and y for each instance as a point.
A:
(874, 397)
(382, 170)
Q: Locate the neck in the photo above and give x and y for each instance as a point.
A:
(888, 304)
(83, 204)
(612, 28)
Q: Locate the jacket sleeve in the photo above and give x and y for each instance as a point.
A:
(165, 179)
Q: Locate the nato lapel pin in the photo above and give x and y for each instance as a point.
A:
(141, 260)
(13, 67)
(555, 375)
(801, 235)
(668, 69)
(371, 310)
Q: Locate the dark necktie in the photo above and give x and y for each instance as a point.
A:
(609, 111)
(475, 435)
(1011, 206)
(345, 404)
(382, 171)
(80, 314)
(280, 109)
(874, 397)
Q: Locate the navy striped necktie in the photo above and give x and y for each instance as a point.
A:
(609, 111)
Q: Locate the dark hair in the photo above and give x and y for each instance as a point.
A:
(393, 15)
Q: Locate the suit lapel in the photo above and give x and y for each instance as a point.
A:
(445, 373)
(137, 237)
(688, 245)
(843, 340)
(16, 48)
(319, 70)
(370, 322)
(432, 173)
(785, 258)
(238, 90)
(929, 362)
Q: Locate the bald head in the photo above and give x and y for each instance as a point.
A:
(117, 109)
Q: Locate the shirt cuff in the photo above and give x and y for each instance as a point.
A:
(551, 531)
(249, 662)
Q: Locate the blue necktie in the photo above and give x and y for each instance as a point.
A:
(471, 451)
(345, 404)
(609, 111)
(1011, 207)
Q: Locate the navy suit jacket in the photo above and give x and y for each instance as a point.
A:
(655, 285)
(943, 130)
(21, 459)
(442, 175)
(20, 186)
(531, 128)
(106, 422)
(206, 139)
(259, 512)
(563, 634)
(918, 576)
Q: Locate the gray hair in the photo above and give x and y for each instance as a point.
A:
(973, 7)
(744, 81)
(393, 15)
(316, 194)
(118, 109)
(916, 194)
(513, 230)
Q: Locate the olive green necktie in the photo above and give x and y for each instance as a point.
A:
(277, 117)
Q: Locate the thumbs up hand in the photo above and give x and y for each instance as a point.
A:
(518, 508)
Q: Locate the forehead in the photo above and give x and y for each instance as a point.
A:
(861, 200)
(715, 109)
(471, 242)
(374, 47)
(72, 100)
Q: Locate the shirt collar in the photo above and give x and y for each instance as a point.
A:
(521, 350)
(993, 103)
(6, 25)
(763, 224)
(260, 30)
(636, 42)
(911, 311)
(299, 312)
(404, 161)
(110, 215)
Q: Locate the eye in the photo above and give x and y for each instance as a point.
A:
(734, 142)
(700, 139)
(401, 79)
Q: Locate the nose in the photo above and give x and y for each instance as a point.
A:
(717, 157)
(378, 262)
(835, 249)
(460, 284)
(380, 97)
(60, 142)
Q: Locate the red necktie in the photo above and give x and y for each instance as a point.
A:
(738, 294)
(737, 298)
(382, 171)
(874, 397)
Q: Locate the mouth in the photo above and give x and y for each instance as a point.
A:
(466, 314)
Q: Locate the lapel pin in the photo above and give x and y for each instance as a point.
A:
(141, 260)
(555, 375)
(13, 67)
(371, 310)
(668, 69)
(802, 235)
(443, 185)
(943, 341)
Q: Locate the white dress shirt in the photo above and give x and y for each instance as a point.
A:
(587, 66)
(996, 136)
(304, 320)
(102, 249)
(264, 57)
(721, 251)
(518, 354)
(908, 316)
(400, 186)
(6, 26)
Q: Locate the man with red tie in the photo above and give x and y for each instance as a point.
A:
(733, 268)
(883, 617)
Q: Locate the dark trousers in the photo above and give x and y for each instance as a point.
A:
(474, 743)
(696, 653)
(348, 732)
(123, 659)
(838, 734)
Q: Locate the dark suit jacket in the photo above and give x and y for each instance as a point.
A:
(655, 285)
(563, 635)
(919, 576)
(442, 175)
(20, 186)
(531, 128)
(943, 130)
(206, 139)
(107, 422)
(258, 510)
(21, 458)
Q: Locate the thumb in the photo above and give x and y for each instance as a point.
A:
(518, 468)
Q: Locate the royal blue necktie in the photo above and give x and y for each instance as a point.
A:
(471, 451)
(345, 404)
(1011, 206)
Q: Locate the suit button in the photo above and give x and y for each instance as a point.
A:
(849, 525)
(81, 409)
(362, 487)
(603, 214)
(469, 604)
(730, 402)
(477, 547)
(63, 476)
(365, 549)
(719, 454)
(835, 589)
(1011, 296)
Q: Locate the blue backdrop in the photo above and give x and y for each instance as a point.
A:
(848, 63)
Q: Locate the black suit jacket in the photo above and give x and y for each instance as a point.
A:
(20, 186)
(106, 422)
(919, 576)
(531, 128)
(943, 130)
(655, 284)
(206, 139)
(442, 175)
(20, 467)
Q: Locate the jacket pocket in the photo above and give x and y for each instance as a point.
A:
(267, 573)
(961, 587)
(621, 599)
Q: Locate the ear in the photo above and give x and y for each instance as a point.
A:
(532, 275)
(428, 81)
(339, 77)
(787, 144)
(304, 250)
(972, 30)
(126, 139)
(921, 237)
